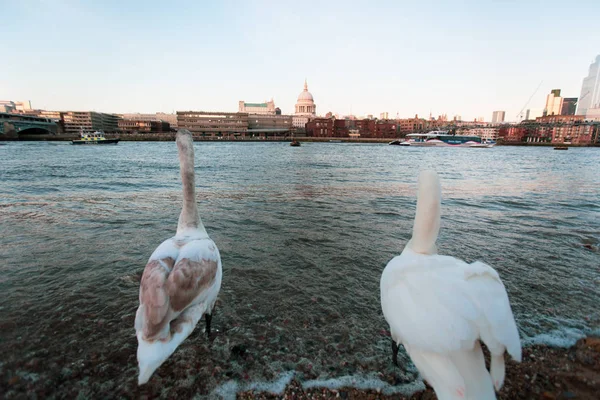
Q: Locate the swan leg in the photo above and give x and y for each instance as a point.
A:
(394, 353)
(208, 319)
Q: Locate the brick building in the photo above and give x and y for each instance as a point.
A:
(364, 128)
(141, 126)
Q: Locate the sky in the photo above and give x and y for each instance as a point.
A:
(466, 58)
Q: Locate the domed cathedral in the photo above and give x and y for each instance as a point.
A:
(305, 108)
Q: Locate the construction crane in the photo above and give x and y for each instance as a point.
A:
(520, 114)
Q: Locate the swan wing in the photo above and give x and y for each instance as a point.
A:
(196, 270)
(174, 278)
(497, 325)
(442, 304)
(154, 312)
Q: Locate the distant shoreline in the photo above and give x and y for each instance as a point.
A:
(171, 138)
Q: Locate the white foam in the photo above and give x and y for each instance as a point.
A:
(276, 387)
(229, 389)
(226, 391)
(564, 337)
(369, 382)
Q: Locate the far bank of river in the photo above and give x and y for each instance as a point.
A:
(168, 137)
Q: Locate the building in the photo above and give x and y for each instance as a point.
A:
(321, 127)
(344, 128)
(575, 133)
(305, 108)
(141, 126)
(593, 114)
(590, 89)
(484, 132)
(497, 117)
(555, 129)
(559, 119)
(569, 106)
(384, 115)
(53, 115)
(9, 106)
(264, 125)
(532, 114)
(170, 118)
(213, 124)
(266, 108)
(384, 129)
(553, 103)
(410, 125)
(75, 122)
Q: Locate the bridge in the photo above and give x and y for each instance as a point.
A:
(19, 126)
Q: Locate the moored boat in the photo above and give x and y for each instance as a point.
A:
(94, 138)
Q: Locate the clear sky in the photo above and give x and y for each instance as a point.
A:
(407, 57)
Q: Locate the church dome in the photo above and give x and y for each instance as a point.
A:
(305, 94)
(305, 106)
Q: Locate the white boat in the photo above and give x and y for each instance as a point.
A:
(94, 138)
(445, 139)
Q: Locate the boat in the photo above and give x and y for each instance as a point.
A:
(335, 141)
(399, 142)
(561, 147)
(94, 138)
(295, 143)
(444, 139)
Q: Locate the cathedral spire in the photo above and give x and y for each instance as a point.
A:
(305, 85)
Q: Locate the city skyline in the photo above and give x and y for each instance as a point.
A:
(464, 60)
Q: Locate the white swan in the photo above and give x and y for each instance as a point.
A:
(181, 281)
(440, 308)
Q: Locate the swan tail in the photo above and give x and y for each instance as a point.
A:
(497, 370)
(428, 216)
(152, 354)
(456, 375)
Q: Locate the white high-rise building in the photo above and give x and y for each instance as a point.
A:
(553, 103)
(498, 117)
(590, 89)
(533, 113)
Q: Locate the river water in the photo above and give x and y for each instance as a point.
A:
(304, 235)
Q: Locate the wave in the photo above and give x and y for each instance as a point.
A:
(230, 389)
(564, 337)
(366, 382)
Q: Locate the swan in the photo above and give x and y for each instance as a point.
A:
(440, 308)
(181, 280)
